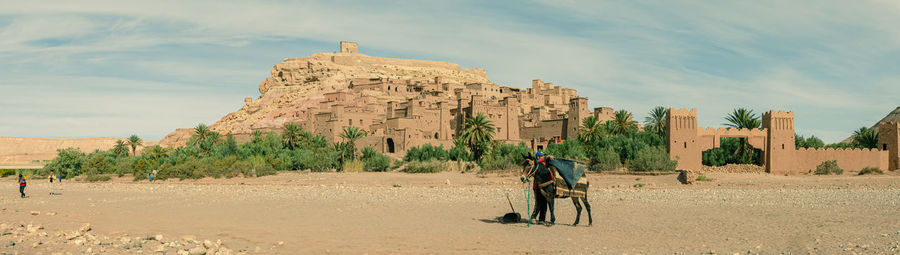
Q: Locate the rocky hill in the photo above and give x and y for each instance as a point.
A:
(297, 84)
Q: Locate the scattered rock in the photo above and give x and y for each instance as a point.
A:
(35, 212)
(197, 251)
(189, 239)
(208, 244)
(158, 237)
(79, 241)
(85, 228)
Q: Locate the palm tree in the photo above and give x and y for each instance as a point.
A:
(478, 134)
(656, 122)
(742, 118)
(590, 132)
(292, 134)
(134, 141)
(156, 152)
(202, 132)
(865, 138)
(622, 122)
(121, 149)
(351, 134)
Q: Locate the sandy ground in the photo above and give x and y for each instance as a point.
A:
(387, 213)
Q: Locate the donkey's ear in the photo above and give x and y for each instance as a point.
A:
(528, 156)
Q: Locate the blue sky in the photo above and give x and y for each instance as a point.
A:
(115, 68)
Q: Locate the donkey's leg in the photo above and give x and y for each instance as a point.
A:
(577, 210)
(588, 207)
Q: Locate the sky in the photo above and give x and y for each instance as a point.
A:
(115, 68)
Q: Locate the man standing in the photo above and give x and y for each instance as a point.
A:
(540, 202)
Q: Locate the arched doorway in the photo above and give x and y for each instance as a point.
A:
(390, 145)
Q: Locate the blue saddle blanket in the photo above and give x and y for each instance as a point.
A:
(569, 170)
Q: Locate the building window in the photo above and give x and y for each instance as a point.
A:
(350, 122)
(782, 146)
(884, 147)
(498, 130)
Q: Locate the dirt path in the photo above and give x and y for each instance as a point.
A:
(379, 213)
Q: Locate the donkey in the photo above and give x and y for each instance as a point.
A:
(543, 174)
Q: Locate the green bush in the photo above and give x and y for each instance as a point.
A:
(98, 164)
(67, 163)
(431, 166)
(259, 167)
(652, 159)
(374, 161)
(354, 166)
(123, 166)
(425, 152)
(503, 156)
(141, 167)
(725, 154)
(870, 170)
(829, 167)
(97, 178)
(703, 178)
(7, 172)
(570, 149)
(317, 160)
(605, 159)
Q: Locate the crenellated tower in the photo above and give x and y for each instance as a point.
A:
(780, 144)
(681, 138)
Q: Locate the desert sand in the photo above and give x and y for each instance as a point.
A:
(389, 213)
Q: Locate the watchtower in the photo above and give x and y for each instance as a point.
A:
(889, 140)
(349, 47)
(681, 138)
(780, 144)
(578, 111)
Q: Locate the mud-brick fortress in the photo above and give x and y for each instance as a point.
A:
(686, 141)
(400, 113)
(402, 103)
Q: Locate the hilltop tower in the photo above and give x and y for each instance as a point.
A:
(889, 140)
(681, 138)
(780, 145)
(349, 47)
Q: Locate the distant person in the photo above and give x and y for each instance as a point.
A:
(22, 185)
(52, 176)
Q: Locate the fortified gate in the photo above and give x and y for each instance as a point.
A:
(685, 142)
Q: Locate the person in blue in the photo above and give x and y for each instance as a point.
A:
(22, 185)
